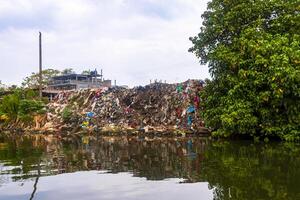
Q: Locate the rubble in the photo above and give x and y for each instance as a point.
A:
(158, 107)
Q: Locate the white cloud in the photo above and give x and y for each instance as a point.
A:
(133, 41)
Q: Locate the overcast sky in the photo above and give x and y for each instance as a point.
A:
(133, 41)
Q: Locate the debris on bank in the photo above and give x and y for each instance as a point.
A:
(158, 107)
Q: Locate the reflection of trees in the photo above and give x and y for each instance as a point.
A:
(154, 159)
(245, 171)
(237, 170)
(20, 158)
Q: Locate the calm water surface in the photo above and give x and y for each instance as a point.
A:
(141, 168)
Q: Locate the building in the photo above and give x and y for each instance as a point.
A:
(78, 81)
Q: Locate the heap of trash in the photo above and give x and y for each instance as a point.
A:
(158, 107)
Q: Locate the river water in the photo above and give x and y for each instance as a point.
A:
(143, 168)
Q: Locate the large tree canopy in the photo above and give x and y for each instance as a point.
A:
(252, 49)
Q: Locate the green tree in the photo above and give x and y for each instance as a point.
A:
(86, 72)
(252, 49)
(32, 81)
(67, 71)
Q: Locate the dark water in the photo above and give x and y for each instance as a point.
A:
(141, 168)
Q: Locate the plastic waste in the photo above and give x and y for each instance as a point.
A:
(190, 109)
(160, 106)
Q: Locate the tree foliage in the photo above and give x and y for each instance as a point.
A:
(2, 87)
(10, 106)
(21, 104)
(252, 49)
(242, 170)
(86, 72)
(67, 71)
(32, 81)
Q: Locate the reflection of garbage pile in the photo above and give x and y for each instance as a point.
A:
(155, 107)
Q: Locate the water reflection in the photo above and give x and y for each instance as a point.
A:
(233, 170)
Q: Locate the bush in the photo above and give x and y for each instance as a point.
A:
(10, 106)
(66, 114)
(30, 106)
(17, 106)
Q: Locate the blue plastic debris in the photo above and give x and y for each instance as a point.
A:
(190, 109)
(90, 114)
(190, 120)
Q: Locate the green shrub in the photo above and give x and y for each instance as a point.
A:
(30, 106)
(66, 114)
(10, 106)
(17, 105)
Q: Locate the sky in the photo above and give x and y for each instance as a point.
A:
(133, 41)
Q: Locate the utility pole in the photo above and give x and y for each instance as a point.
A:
(40, 65)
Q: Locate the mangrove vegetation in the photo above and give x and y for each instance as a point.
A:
(252, 49)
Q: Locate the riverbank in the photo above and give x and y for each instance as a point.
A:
(156, 109)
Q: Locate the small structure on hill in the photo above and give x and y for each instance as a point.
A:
(78, 81)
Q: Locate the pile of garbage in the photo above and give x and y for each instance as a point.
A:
(157, 107)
